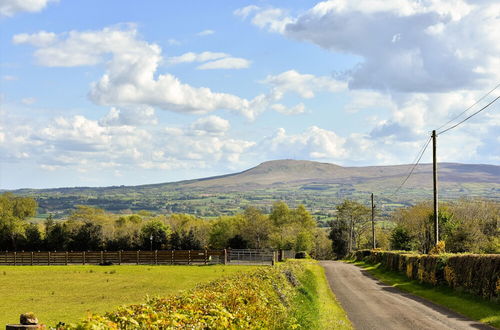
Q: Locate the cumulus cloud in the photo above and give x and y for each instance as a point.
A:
(405, 45)
(305, 85)
(144, 115)
(131, 77)
(12, 7)
(313, 143)
(211, 125)
(83, 144)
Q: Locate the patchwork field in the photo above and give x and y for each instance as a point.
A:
(68, 293)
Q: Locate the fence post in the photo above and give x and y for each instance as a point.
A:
(31, 258)
(156, 257)
(225, 257)
(66, 258)
(84, 259)
(48, 259)
(15, 258)
(120, 257)
(206, 256)
(189, 257)
(172, 257)
(138, 256)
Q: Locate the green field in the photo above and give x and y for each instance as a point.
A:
(68, 293)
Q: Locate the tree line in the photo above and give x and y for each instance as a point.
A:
(88, 228)
(465, 226)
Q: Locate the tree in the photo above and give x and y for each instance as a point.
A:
(339, 234)
(156, 230)
(401, 239)
(14, 211)
(256, 228)
(355, 216)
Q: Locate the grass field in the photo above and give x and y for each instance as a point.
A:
(68, 293)
(466, 304)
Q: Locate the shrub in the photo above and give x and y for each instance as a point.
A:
(478, 274)
(261, 299)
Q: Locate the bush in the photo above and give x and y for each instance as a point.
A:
(301, 255)
(478, 274)
(261, 299)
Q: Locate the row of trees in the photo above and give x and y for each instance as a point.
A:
(89, 228)
(467, 225)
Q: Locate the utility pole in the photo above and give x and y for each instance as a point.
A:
(374, 245)
(435, 183)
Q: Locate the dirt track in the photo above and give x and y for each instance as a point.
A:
(371, 304)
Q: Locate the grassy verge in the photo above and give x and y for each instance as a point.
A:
(466, 304)
(68, 293)
(316, 305)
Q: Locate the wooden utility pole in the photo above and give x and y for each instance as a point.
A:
(435, 183)
(374, 245)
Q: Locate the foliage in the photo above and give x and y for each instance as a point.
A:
(467, 225)
(476, 274)
(265, 298)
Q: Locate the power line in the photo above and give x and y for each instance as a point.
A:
(475, 113)
(419, 157)
(459, 115)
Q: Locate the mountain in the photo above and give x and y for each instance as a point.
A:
(317, 185)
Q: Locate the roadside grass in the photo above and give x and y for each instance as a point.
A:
(69, 293)
(317, 307)
(461, 302)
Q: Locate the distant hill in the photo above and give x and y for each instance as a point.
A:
(317, 185)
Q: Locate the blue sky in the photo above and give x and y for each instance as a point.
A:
(97, 93)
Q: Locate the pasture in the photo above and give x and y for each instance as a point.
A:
(69, 293)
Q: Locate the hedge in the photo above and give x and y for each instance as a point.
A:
(260, 299)
(478, 274)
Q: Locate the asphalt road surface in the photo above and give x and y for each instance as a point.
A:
(371, 304)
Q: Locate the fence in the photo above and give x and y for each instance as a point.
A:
(158, 257)
(251, 257)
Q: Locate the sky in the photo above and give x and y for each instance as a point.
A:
(122, 92)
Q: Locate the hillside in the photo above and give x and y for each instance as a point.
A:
(317, 185)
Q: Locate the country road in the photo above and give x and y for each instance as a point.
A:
(371, 304)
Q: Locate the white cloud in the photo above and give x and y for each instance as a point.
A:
(314, 143)
(211, 125)
(405, 45)
(245, 11)
(304, 85)
(274, 19)
(295, 110)
(12, 7)
(226, 63)
(194, 57)
(144, 115)
(131, 77)
(40, 39)
(205, 33)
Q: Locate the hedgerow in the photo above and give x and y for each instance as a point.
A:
(478, 274)
(261, 299)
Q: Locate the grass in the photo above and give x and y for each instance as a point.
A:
(466, 304)
(317, 305)
(69, 293)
